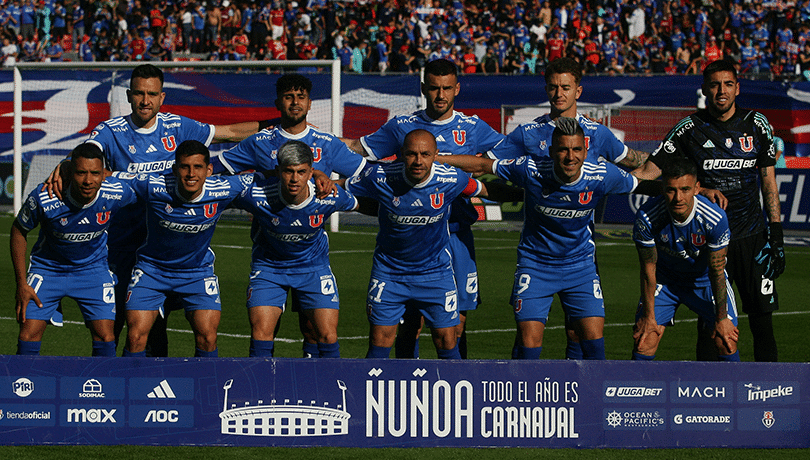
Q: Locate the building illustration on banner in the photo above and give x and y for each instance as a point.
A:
(283, 419)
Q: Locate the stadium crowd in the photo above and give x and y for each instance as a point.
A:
(480, 36)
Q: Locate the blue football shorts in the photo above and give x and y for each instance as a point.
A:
(93, 288)
(577, 285)
(314, 289)
(699, 299)
(390, 295)
(465, 269)
(195, 290)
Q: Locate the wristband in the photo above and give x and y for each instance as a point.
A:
(775, 234)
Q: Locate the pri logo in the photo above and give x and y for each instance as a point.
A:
(22, 387)
(767, 419)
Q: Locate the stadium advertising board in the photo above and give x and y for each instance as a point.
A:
(402, 403)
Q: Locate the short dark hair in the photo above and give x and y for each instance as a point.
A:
(721, 65)
(192, 147)
(86, 150)
(146, 71)
(293, 81)
(441, 67)
(678, 166)
(293, 153)
(564, 65)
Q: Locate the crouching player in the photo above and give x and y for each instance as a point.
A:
(682, 239)
(291, 251)
(70, 255)
(176, 259)
(412, 261)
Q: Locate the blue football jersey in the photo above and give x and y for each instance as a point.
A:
(558, 217)
(137, 150)
(683, 248)
(179, 232)
(414, 235)
(71, 235)
(259, 152)
(457, 135)
(534, 139)
(290, 237)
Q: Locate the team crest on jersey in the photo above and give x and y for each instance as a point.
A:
(585, 197)
(317, 154)
(169, 143)
(664, 237)
(747, 143)
(210, 210)
(316, 221)
(459, 136)
(63, 221)
(102, 217)
(395, 201)
(543, 145)
(132, 149)
(436, 200)
(698, 240)
(169, 208)
(275, 221)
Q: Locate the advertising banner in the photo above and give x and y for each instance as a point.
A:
(402, 403)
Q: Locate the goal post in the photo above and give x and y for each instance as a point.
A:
(331, 119)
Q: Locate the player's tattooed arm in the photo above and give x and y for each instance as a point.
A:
(724, 329)
(770, 194)
(355, 146)
(646, 323)
(646, 171)
(235, 132)
(634, 158)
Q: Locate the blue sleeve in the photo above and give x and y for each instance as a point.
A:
(384, 142)
(193, 129)
(138, 183)
(515, 171)
(511, 147)
(30, 212)
(345, 200)
(486, 137)
(243, 156)
(720, 234)
(618, 181)
(642, 230)
(363, 183)
(610, 147)
(344, 161)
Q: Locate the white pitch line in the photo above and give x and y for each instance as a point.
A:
(479, 331)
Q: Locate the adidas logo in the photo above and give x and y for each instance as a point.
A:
(151, 149)
(418, 202)
(440, 138)
(191, 212)
(566, 198)
(297, 223)
(708, 145)
(162, 391)
(84, 221)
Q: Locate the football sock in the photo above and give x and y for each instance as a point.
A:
(206, 354)
(764, 341)
(28, 348)
(573, 350)
(261, 348)
(593, 349)
(406, 347)
(378, 352)
(462, 345)
(310, 349)
(103, 348)
(129, 354)
(735, 357)
(329, 350)
(528, 352)
(639, 357)
(449, 354)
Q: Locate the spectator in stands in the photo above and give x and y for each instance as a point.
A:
(9, 52)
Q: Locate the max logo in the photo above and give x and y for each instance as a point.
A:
(698, 240)
(459, 136)
(210, 210)
(436, 200)
(317, 154)
(102, 217)
(169, 143)
(747, 143)
(316, 221)
(585, 197)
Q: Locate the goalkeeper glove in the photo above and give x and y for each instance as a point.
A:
(776, 241)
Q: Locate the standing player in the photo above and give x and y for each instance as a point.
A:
(682, 239)
(456, 134)
(70, 255)
(733, 150)
(259, 152)
(291, 251)
(556, 250)
(563, 79)
(145, 142)
(412, 267)
(176, 259)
